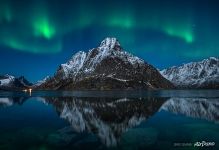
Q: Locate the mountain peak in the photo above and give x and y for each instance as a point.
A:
(213, 58)
(110, 42)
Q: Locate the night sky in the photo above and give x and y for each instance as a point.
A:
(36, 36)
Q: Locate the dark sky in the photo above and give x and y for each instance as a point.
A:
(36, 36)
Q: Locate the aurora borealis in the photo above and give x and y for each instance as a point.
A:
(38, 35)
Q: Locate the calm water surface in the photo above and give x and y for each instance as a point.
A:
(48, 120)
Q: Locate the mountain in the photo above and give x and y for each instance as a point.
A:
(203, 74)
(106, 67)
(8, 82)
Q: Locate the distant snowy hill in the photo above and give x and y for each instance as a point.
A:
(203, 74)
(8, 82)
(106, 67)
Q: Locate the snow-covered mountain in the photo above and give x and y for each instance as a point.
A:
(8, 82)
(106, 67)
(194, 107)
(203, 74)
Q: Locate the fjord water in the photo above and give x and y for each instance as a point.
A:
(51, 120)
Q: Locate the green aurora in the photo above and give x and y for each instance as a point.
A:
(41, 21)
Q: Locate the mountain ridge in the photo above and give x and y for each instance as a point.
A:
(201, 74)
(9, 82)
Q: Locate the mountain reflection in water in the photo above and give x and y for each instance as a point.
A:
(202, 108)
(106, 117)
(111, 118)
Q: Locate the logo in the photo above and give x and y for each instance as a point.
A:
(204, 143)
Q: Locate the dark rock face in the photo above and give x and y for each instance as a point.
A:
(203, 74)
(106, 67)
(22, 82)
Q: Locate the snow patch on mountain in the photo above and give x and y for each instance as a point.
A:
(74, 64)
(6, 80)
(109, 43)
